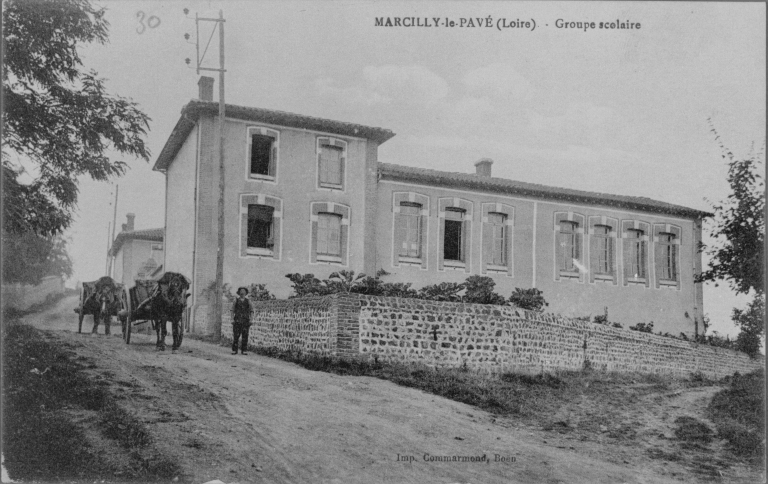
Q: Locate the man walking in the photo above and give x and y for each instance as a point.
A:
(241, 321)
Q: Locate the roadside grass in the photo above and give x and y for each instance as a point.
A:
(44, 383)
(739, 415)
(540, 396)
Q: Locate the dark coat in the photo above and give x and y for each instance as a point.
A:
(242, 312)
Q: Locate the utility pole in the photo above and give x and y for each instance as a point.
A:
(112, 240)
(217, 308)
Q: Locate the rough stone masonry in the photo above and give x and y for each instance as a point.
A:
(478, 336)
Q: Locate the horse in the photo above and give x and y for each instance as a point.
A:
(167, 303)
(103, 303)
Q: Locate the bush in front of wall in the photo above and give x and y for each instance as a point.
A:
(531, 299)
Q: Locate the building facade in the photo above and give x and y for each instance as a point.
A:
(308, 195)
(136, 254)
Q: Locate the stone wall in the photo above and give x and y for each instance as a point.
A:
(503, 338)
(306, 324)
(495, 338)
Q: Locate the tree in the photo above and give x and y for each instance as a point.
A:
(750, 321)
(59, 120)
(739, 225)
(28, 257)
(737, 255)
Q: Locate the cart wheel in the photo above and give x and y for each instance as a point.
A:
(80, 314)
(127, 323)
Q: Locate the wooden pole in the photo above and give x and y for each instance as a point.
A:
(220, 246)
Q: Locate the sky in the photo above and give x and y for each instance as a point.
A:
(614, 111)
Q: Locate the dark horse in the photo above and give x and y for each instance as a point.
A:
(167, 303)
(103, 302)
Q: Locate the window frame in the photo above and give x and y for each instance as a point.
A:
(321, 208)
(334, 143)
(608, 240)
(255, 250)
(675, 233)
(274, 162)
(246, 252)
(487, 231)
(578, 222)
(399, 260)
(465, 247)
(630, 229)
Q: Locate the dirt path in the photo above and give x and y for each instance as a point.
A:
(251, 419)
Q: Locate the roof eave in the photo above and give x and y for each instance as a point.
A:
(479, 184)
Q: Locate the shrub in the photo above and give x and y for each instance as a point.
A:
(445, 291)
(643, 327)
(531, 299)
(307, 285)
(479, 290)
(738, 413)
(259, 292)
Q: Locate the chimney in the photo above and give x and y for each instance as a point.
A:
(205, 84)
(483, 167)
(130, 217)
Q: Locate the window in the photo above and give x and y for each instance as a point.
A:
(409, 230)
(331, 154)
(260, 228)
(262, 153)
(329, 234)
(410, 213)
(668, 254)
(636, 256)
(498, 236)
(603, 247)
(452, 243)
(569, 246)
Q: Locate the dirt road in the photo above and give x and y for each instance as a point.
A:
(252, 419)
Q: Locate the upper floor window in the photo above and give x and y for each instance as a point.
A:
(408, 227)
(498, 236)
(569, 245)
(454, 235)
(603, 247)
(260, 237)
(331, 158)
(636, 257)
(262, 153)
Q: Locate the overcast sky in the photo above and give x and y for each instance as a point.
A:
(616, 111)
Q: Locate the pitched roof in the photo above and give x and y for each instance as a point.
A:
(511, 187)
(192, 111)
(146, 234)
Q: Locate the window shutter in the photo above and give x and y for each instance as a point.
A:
(399, 239)
(658, 256)
(243, 234)
(627, 251)
(343, 233)
(423, 239)
(579, 238)
(273, 160)
(612, 258)
(276, 237)
(594, 257)
(342, 167)
(488, 246)
(466, 238)
(441, 243)
(646, 269)
(313, 241)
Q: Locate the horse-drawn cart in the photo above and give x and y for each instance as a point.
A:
(102, 299)
(156, 302)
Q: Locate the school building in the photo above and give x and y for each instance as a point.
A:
(309, 195)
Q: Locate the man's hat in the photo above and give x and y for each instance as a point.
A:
(242, 289)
